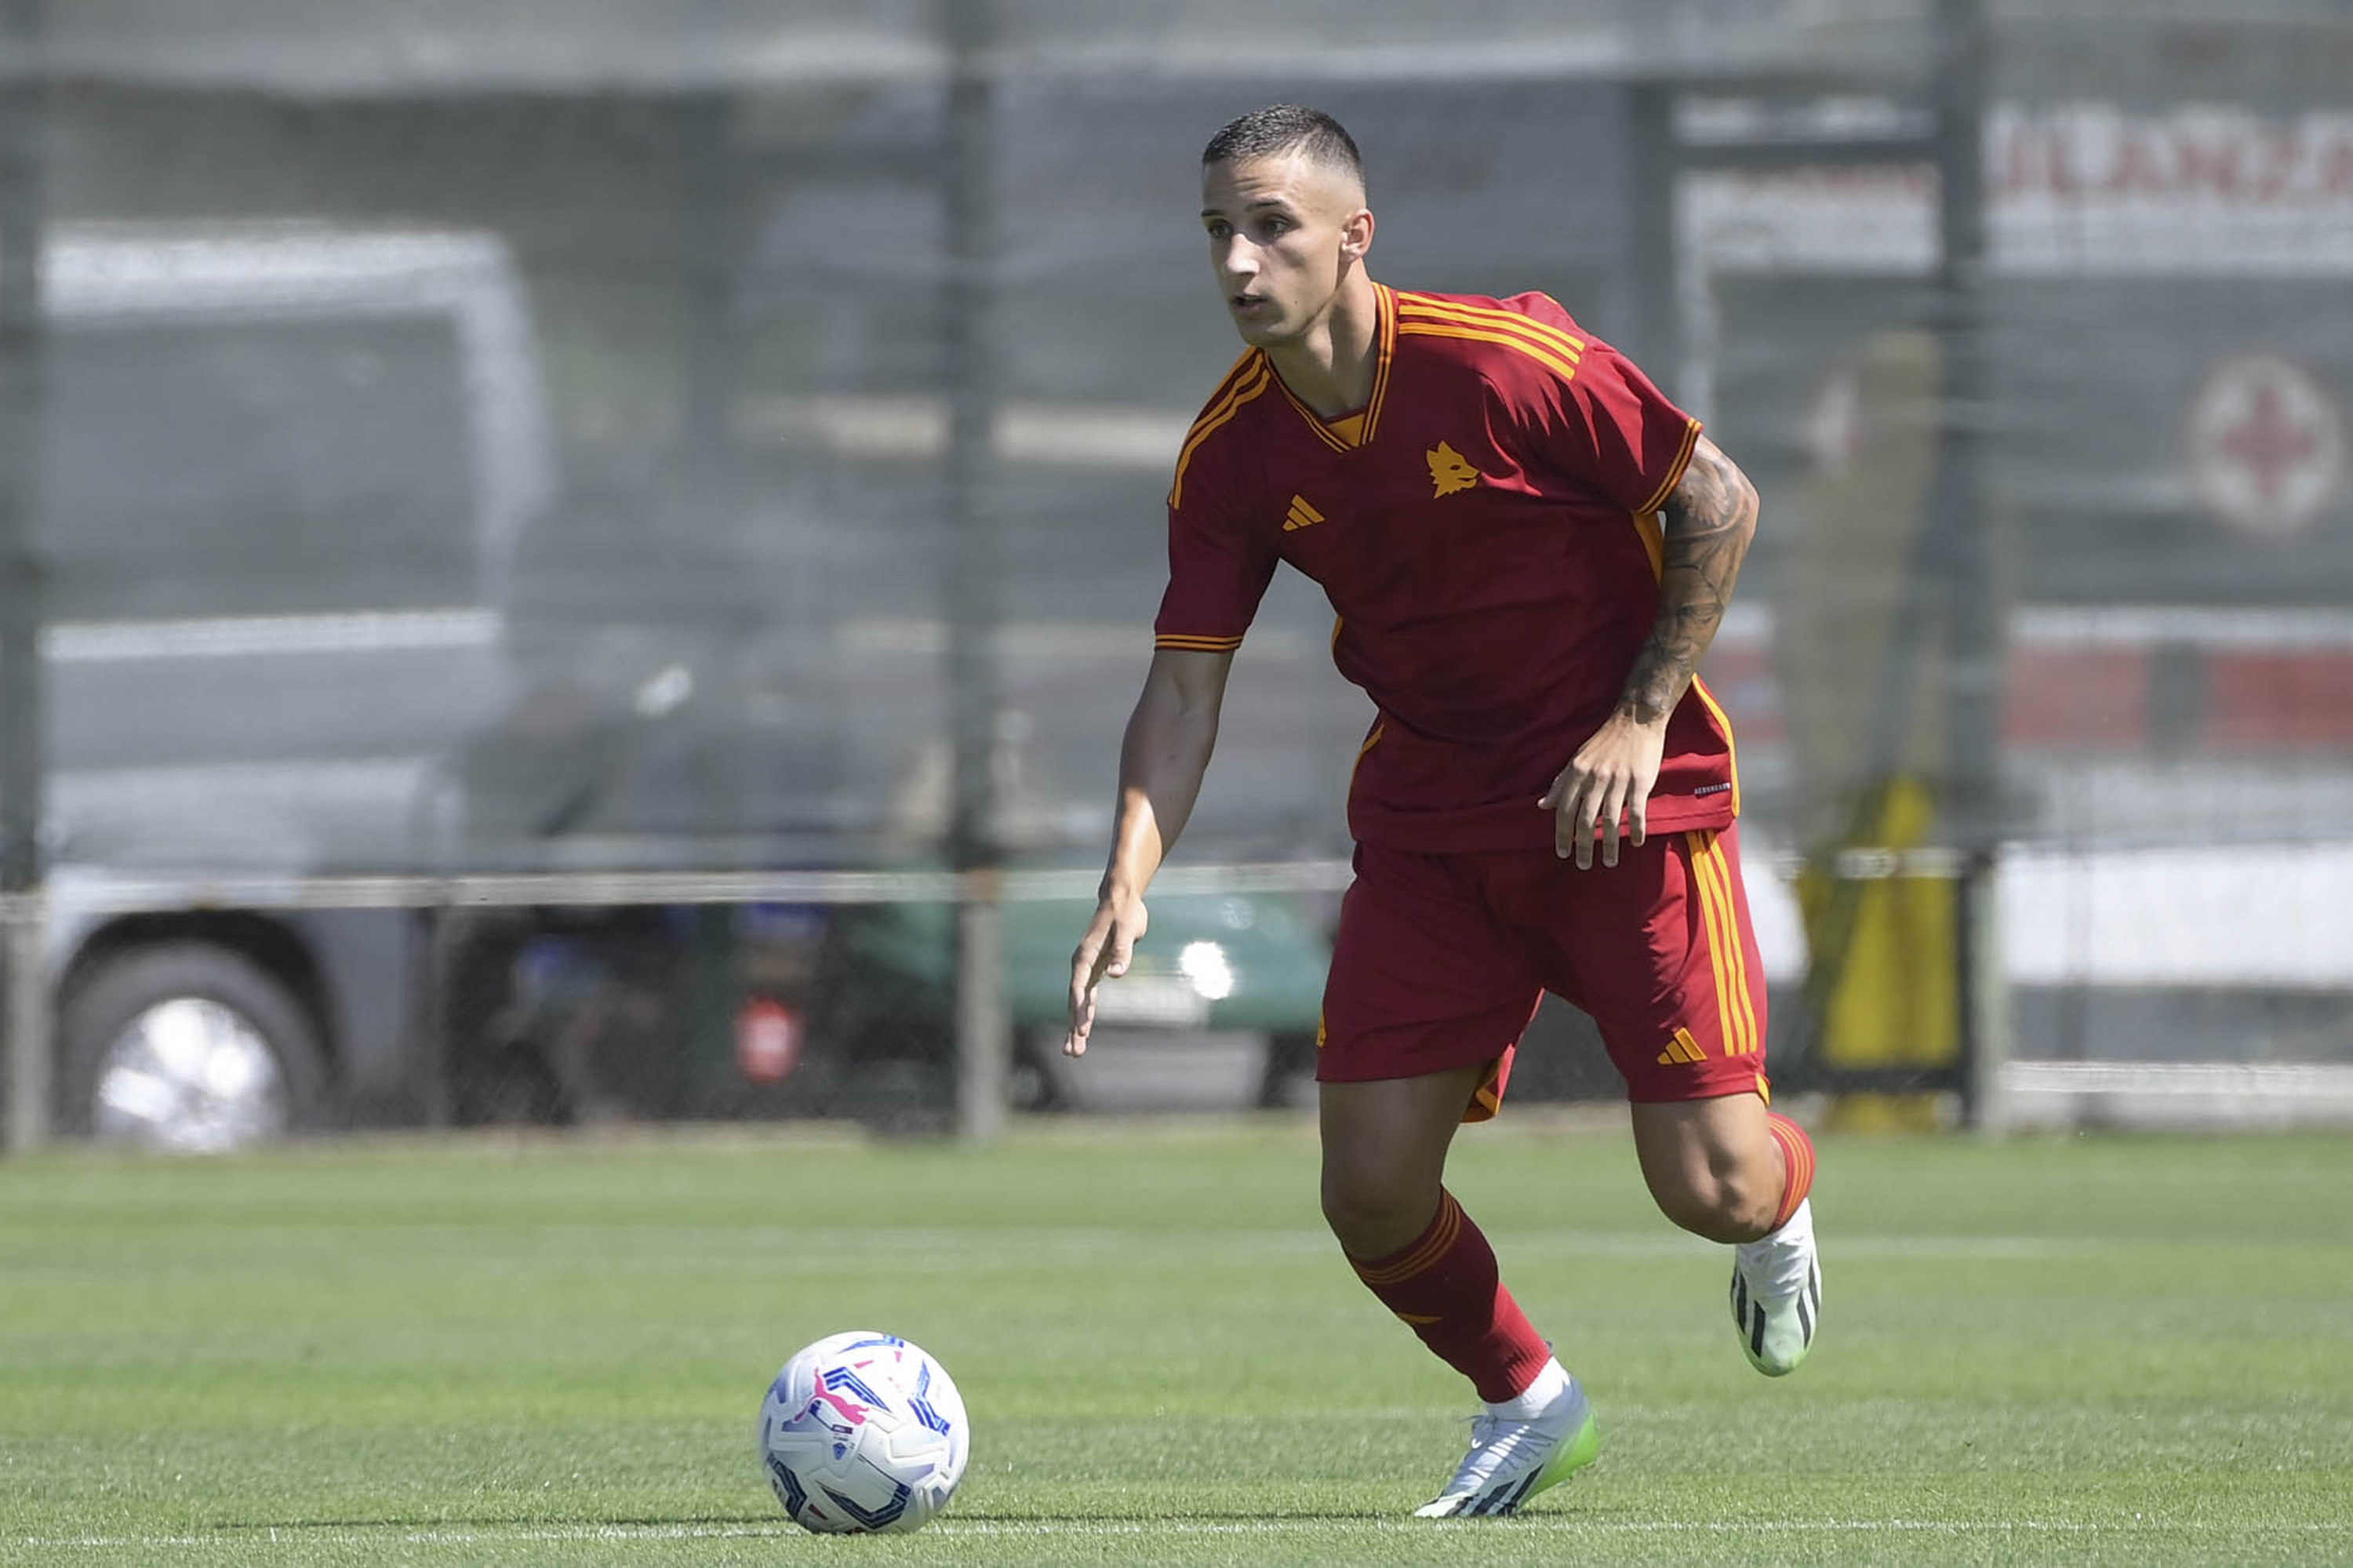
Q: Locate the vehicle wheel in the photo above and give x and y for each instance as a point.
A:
(187, 1047)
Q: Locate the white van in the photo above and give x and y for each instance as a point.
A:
(285, 469)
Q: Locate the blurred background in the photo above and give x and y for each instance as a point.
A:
(566, 563)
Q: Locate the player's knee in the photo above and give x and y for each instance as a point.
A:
(1724, 1201)
(1373, 1211)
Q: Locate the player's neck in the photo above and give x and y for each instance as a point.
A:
(1330, 367)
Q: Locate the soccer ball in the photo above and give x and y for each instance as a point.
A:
(862, 1432)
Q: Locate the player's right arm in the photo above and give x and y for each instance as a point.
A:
(1161, 763)
(1220, 562)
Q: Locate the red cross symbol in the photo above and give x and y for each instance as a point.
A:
(2268, 440)
(2266, 445)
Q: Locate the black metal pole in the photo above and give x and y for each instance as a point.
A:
(1963, 524)
(1968, 566)
(1655, 255)
(969, 586)
(24, 126)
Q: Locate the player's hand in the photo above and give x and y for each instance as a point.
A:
(1609, 778)
(1103, 953)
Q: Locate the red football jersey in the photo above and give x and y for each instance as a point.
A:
(1486, 528)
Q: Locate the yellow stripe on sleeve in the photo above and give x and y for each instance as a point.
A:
(1487, 315)
(1249, 387)
(1551, 359)
(1236, 374)
(1674, 469)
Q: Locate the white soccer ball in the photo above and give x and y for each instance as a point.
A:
(861, 1432)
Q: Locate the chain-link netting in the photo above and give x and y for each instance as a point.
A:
(540, 505)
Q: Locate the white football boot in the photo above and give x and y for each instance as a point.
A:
(1520, 1447)
(1777, 1293)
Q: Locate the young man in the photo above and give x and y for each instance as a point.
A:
(1529, 548)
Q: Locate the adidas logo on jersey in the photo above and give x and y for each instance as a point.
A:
(1301, 515)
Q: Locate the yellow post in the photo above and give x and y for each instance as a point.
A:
(1864, 749)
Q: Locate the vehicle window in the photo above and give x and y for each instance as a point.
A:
(256, 467)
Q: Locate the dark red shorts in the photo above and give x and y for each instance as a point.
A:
(1443, 959)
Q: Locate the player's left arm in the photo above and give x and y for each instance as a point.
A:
(1706, 524)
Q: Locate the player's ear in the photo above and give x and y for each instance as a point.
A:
(1356, 234)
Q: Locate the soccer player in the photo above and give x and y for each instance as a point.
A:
(1529, 548)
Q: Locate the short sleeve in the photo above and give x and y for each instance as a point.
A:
(1606, 426)
(1218, 572)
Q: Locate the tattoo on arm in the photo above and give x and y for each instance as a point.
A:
(1707, 522)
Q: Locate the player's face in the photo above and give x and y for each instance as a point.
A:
(1282, 231)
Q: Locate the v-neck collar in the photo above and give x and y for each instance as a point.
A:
(1356, 427)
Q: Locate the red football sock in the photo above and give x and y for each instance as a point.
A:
(1797, 1164)
(1446, 1288)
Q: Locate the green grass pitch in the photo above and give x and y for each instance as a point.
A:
(2091, 1350)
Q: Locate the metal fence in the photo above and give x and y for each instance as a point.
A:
(588, 560)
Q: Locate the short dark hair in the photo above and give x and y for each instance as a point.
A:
(1286, 128)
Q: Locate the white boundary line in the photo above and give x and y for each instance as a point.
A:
(952, 1526)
